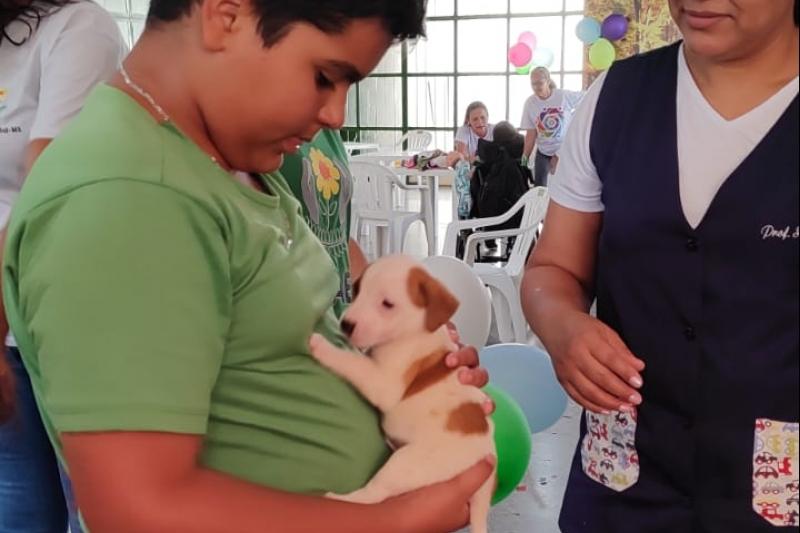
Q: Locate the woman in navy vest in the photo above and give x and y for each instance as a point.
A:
(676, 205)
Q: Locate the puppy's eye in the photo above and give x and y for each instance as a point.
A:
(387, 304)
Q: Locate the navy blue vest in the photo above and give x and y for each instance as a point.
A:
(713, 311)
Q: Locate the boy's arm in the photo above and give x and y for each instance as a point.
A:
(128, 482)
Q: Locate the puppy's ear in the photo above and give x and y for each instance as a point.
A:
(427, 292)
(357, 283)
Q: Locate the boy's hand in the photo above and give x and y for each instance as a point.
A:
(471, 373)
(443, 507)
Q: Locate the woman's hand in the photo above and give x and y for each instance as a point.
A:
(439, 508)
(553, 164)
(593, 364)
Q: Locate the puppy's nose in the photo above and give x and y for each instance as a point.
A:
(348, 327)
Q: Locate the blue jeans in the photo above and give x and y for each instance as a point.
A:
(35, 495)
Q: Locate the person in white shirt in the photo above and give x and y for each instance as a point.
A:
(674, 210)
(52, 53)
(476, 126)
(546, 117)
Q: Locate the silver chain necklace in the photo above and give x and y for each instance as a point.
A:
(144, 94)
(288, 239)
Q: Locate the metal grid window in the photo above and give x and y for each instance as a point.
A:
(428, 84)
(130, 16)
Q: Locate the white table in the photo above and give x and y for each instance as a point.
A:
(430, 199)
(383, 157)
(361, 147)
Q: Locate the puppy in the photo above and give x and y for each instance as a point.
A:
(436, 425)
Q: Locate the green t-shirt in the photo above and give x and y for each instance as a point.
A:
(151, 291)
(319, 176)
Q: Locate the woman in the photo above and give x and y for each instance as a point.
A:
(52, 53)
(546, 117)
(476, 126)
(191, 284)
(676, 204)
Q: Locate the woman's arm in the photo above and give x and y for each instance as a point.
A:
(130, 482)
(592, 362)
(530, 142)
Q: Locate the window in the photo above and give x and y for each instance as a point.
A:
(428, 84)
(130, 16)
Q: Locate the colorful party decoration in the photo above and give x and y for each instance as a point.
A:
(543, 57)
(602, 54)
(615, 26)
(520, 55)
(529, 38)
(523, 70)
(512, 438)
(588, 30)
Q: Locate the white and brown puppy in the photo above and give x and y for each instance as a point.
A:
(436, 424)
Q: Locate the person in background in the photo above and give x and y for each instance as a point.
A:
(320, 179)
(52, 53)
(476, 126)
(546, 117)
(676, 205)
(182, 282)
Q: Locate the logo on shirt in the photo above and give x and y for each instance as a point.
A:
(550, 123)
(3, 97)
(787, 232)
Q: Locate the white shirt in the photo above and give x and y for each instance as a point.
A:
(470, 138)
(44, 82)
(550, 118)
(710, 147)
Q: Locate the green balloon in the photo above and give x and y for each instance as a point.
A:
(523, 70)
(602, 54)
(512, 439)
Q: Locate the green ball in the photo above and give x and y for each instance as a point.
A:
(602, 54)
(523, 70)
(512, 439)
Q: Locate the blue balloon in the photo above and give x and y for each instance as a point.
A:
(588, 30)
(526, 374)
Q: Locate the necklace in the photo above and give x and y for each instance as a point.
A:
(152, 101)
(287, 239)
(144, 94)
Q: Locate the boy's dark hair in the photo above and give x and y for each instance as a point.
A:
(404, 19)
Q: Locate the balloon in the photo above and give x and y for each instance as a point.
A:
(588, 30)
(474, 315)
(602, 54)
(512, 440)
(529, 38)
(519, 55)
(526, 374)
(615, 27)
(523, 70)
(543, 57)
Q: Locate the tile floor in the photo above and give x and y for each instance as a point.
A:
(534, 508)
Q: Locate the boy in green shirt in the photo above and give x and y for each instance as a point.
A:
(163, 300)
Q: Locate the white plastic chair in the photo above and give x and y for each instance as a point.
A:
(415, 141)
(504, 281)
(374, 207)
(473, 319)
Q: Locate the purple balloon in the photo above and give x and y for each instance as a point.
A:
(615, 27)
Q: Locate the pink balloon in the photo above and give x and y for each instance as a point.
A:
(529, 38)
(520, 55)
